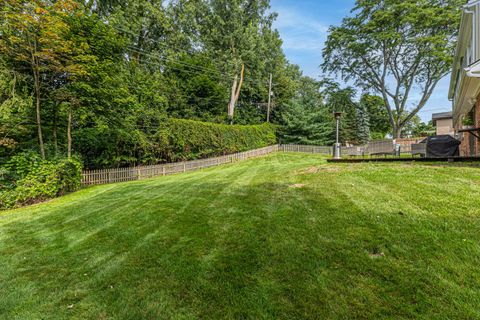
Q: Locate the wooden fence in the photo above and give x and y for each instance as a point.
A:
(306, 149)
(105, 176)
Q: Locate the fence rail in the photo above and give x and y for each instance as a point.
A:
(105, 176)
(306, 149)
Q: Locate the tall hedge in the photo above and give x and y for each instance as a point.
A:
(173, 140)
(188, 139)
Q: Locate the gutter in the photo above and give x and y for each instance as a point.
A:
(456, 59)
(466, 11)
(469, 5)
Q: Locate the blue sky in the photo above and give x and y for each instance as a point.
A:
(303, 25)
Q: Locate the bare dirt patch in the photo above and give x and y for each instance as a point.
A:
(297, 186)
(314, 170)
(311, 170)
(376, 255)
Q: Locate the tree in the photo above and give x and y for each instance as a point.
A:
(106, 73)
(34, 39)
(235, 94)
(424, 129)
(15, 109)
(362, 124)
(239, 38)
(394, 47)
(416, 128)
(306, 125)
(306, 120)
(377, 114)
(342, 100)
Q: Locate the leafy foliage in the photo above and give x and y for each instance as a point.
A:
(307, 120)
(33, 180)
(342, 100)
(378, 116)
(392, 46)
(362, 124)
(416, 128)
(106, 74)
(168, 141)
(189, 139)
(306, 125)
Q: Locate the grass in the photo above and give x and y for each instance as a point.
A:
(282, 237)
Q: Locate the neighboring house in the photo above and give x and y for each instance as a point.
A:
(443, 123)
(465, 81)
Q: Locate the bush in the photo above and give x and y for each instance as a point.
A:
(188, 139)
(173, 140)
(39, 181)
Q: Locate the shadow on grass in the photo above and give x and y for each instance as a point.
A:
(199, 249)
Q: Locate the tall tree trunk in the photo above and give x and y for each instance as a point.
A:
(54, 133)
(231, 105)
(235, 94)
(397, 131)
(36, 75)
(69, 133)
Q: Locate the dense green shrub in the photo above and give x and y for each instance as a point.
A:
(173, 140)
(19, 166)
(34, 180)
(188, 139)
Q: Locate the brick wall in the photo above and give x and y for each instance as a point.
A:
(477, 125)
(406, 143)
(464, 149)
(470, 144)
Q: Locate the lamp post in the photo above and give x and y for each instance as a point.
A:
(337, 148)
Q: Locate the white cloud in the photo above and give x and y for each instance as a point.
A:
(299, 32)
(304, 34)
(291, 19)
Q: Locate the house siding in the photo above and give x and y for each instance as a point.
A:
(444, 127)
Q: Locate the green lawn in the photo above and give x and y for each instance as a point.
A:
(282, 237)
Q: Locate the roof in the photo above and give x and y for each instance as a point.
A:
(442, 115)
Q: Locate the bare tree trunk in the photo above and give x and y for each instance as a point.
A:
(231, 105)
(36, 75)
(69, 133)
(235, 94)
(54, 133)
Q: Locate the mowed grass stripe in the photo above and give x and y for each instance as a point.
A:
(281, 237)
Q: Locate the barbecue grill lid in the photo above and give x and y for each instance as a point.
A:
(442, 146)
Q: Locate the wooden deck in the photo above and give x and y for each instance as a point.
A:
(405, 159)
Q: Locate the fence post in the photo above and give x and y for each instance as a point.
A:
(95, 177)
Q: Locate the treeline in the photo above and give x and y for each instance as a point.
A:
(99, 79)
(71, 70)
